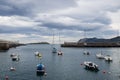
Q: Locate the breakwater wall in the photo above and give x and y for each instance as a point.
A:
(93, 44)
(6, 45)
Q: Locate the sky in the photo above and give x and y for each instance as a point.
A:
(37, 20)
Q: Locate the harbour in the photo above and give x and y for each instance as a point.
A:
(69, 66)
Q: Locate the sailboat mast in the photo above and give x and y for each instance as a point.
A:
(59, 41)
(53, 39)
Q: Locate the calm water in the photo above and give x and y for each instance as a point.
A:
(66, 67)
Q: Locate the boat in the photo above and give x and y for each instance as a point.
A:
(15, 58)
(38, 54)
(60, 51)
(108, 58)
(91, 66)
(100, 56)
(11, 55)
(40, 69)
(12, 69)
(54, 50)
(86, 53)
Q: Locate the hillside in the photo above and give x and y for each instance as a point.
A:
(97, 40)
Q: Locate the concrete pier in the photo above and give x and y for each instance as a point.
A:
(6, 45)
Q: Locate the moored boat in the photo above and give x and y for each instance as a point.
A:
(86, 53)
(60, 53)
(38, 54)
(100, 56)
(15, 58)
(54, 50)
(91, 66)
(12, 69)
(108, 58)
(40, 69)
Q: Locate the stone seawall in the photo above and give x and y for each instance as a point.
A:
(102, 44)
(5, 45)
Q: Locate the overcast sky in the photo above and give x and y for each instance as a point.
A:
(37, 20)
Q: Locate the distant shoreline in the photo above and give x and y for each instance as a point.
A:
(39, 43)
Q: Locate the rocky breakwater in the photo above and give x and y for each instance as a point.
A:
(6, 45)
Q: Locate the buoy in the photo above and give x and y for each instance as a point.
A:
(104, 72)
(6, 78)
(109, 72)
(45, 74)
(81, 64)
(12, 69)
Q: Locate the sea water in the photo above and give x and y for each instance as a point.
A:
(69, 66)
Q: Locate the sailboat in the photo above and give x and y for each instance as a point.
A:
(54, 50)
(60, 52)
(85, 44)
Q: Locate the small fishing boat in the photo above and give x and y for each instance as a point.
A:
(108, 58)
(86, 53)
(60, 53)
(54, 50)
(11, 55)
(15, 58)
(91, 66)
(40, 69)
(100, 56)
(38, 54)
(12, 69)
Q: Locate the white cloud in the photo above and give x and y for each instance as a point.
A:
(115, 18)
(40, 18)
(17, 21)
(12, 37)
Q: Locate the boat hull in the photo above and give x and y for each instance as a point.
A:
(91, 68)
(40, 72)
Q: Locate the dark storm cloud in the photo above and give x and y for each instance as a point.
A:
(23, 30)
(79, 27)
(30, 7)
(8, 8)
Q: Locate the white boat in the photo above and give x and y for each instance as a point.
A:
(12, 69)
(15, 58)
(11, 55)
(100, 56)
(108, 58)
(60, 53)
(54, 50)
(38, 54)
(91, 66)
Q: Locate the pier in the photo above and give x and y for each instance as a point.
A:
(91, 44)
(6, 45)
